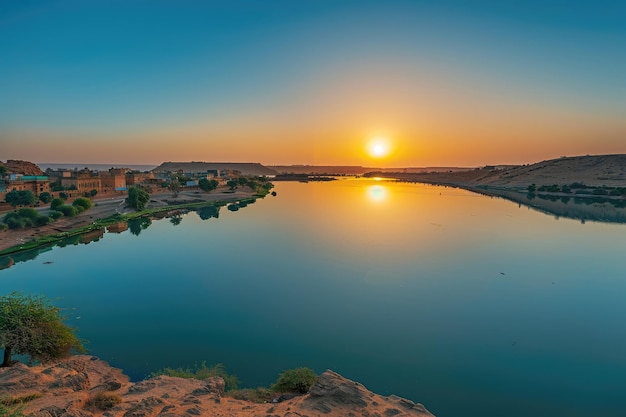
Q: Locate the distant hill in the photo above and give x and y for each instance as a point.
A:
(353, 169)
(591, 170)
(95, 167)
(21, 167)
(246, 168)
(321, 169)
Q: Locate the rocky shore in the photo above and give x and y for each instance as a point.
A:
(85, 386)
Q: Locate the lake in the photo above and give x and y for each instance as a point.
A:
(472, 305)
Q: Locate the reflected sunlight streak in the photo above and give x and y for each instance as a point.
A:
(377, 193)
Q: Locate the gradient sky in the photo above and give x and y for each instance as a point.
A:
(461, 83)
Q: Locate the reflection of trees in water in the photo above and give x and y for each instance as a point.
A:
(137, 225)
(601, 209)
(209, 212)
(176, 219)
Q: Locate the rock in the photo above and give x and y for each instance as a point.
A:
(65, 390)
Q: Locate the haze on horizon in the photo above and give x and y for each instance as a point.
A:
(449, 83)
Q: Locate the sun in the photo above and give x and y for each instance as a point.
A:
(378, 147)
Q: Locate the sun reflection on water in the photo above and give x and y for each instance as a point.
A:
(377, 193)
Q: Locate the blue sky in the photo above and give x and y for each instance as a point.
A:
(309, 81)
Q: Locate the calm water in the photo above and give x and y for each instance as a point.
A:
(471, 305)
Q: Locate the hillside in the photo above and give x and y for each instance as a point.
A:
(246, 168)
(596, 170)
(67, 388)
(21, 167)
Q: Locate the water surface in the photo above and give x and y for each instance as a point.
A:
(472, 305)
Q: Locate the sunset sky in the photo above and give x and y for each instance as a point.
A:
(448, 83)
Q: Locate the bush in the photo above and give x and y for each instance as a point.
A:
(28, 213)
(15, 223)
(82, 202)
(68, 211)
(54, 215)
(256, 395)
(298, 380)
(201, 372)
(56, 203)
(42, 220)
(102, 402)
(63, 196)
(45, 197)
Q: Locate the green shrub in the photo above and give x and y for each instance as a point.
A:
(102, 402)
(83, 202)
(54, 215)
(68, 211)
(42, 220)
(28, 213)
(15, 223)
(201, 372)
(56, 203)
(298, 380)
(256, 395)
(45, 197)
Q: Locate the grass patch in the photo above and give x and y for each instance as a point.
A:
(201, 372)
(258, 395)
(6, 411)
(12, 401)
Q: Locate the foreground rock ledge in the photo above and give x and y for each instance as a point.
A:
(67, 385)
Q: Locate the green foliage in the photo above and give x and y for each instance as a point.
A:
(102, 401)
(20, 198)
(137, 198)
(207, 185)
(7, 411)
(232, 184)
(83, 202)
(45, 197)
(63, 196)
(68, 211)
(298, 380)
(30, 325)
(201, 372)
(11, 401)
(532, 188)
(258, 395)
(56, 203)
(3, 170)
(54, 214)
(93, 193)
(28, 213)
(25, 217)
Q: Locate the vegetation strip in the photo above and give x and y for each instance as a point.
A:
(116, 218)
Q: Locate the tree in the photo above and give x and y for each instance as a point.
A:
(174, 186)
(207, 185)
(3, 170)
(232, 184)
(137, 198)
(30, 325)
(20, 198)
(45, 197)
(93, 193)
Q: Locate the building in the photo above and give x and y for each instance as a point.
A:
(37, 184)
(114, 180)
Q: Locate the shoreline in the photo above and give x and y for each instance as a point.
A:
(106, 212)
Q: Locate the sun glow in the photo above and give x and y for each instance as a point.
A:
(378, 147)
